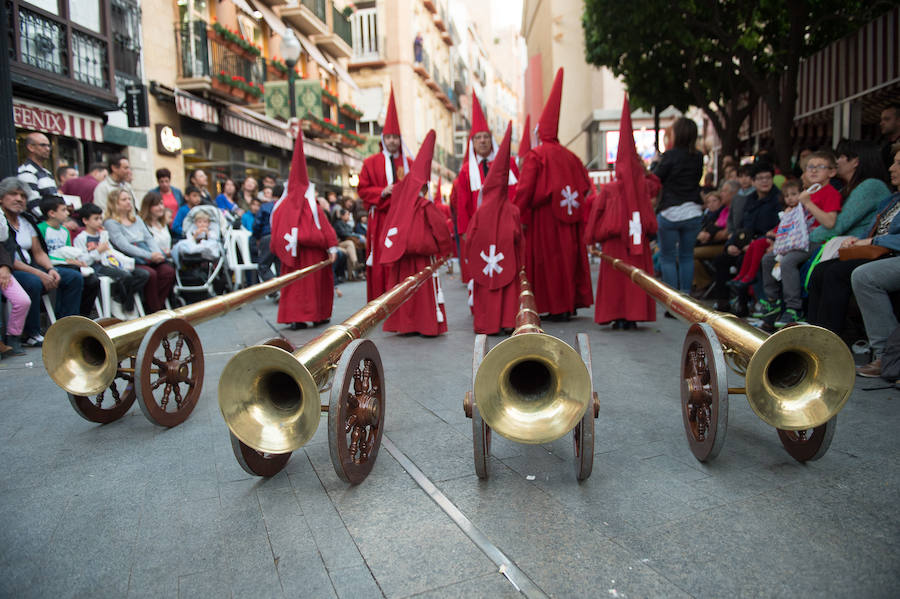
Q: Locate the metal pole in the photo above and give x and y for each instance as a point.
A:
(292, 100)
(8, 155)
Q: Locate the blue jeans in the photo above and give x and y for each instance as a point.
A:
(676, 251)
(68, 296)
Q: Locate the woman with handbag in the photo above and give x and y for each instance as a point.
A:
(829, 283)
(130, 235)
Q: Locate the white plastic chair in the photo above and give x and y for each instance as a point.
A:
(237, 255)
(104, 302)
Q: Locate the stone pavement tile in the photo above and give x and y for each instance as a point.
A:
(304, 576)
(441, 453)
(153, 582)
(732, 485)
(386, 475)
(494, 586)
(201, 585)
(354, 582)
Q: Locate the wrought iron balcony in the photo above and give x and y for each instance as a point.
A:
(203, 55)
(309, 16)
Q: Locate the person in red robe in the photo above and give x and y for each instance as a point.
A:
(414, 234)
(380, 172)
(621, 219)
(464, 197)
(496, 250)
(524, 142)
(301, 237)
(551, 195)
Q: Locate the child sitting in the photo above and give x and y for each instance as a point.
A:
(821, 202)
(201, 232)
(94, 248)
(61, 252)
(18, 299)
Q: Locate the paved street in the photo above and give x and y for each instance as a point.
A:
(134, 510)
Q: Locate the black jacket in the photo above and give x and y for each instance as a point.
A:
(760, 217)
(679, 171)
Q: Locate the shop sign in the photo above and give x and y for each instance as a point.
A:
(54, 121)
(136, 105)
(168, 142)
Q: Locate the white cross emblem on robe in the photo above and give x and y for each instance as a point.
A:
(291, 247)
(493, 261)
(634, 227)
(387, 238)
(569, 202)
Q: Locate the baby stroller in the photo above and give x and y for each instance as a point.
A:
(200, 260)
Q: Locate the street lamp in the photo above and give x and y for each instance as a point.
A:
(290, 51)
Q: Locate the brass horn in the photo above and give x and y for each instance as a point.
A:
(532, 387)
(270, 397)
(82, 356)
(796, 379)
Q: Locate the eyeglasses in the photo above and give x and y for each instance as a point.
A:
(817, 167)
(41, 145)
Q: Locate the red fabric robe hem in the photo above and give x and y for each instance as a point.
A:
(310, 299)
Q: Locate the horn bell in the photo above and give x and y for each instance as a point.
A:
(269, 400)
(532, 388)
(800, 377)
(79, 355)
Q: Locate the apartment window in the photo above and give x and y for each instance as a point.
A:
(126, 26)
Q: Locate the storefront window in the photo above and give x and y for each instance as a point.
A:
(273, 164)
(219, 152)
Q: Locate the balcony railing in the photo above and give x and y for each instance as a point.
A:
(364, 35)
(44, 44)
(317, 6)
(341, 26)
(204, 55)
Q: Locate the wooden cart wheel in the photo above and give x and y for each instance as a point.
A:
(280, 343)
(356, 411)
(113, 402)
(583, 432)
(810, 444)
(704, 392)
(255, 462)
(169, 376)
(481, 432)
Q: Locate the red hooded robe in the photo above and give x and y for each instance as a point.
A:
(302, 236)
(467, 185)
(373, 178)
(497, 250)
(621, 219)
(414, 233)
(551, 196)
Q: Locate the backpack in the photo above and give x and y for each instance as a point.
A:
(890, 358)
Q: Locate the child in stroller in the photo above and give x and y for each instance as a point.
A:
(202, 236)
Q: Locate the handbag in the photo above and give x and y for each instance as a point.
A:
(862, 252)
(791, 233)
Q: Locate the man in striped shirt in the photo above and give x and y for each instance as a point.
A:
(39, 180)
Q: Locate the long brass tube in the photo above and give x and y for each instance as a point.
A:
(82, 357)
(797, 378)
(270, 398)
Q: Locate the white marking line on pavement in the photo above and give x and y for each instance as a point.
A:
(507, 567)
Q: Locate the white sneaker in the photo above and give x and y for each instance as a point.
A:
(34, 341)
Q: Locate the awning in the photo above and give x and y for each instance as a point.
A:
(275, 24)
(251, 129)
(313, 51)
(342, 73)
(56, 121)
(196, 108)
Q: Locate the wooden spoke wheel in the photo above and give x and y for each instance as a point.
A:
(810, 444)
(113, 402)
(280, 343)
(704, 392)
(169, 372)
(583, 433)
(255, 462)
(481, 432)
(356, 411)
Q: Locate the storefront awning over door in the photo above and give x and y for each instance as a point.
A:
(245, 127)
(56, 121)
(196, 108)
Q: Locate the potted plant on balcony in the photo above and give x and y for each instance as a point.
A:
(277, 69)
(254, 91)
(222, 82)
(329, 97)
(351, 111)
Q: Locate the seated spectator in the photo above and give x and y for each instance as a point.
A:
(262, 234)
(890, 132)
(249, 190)
(760, 215)
(197, 178)
(93, 243)
(783, 303)
(64, 173)
(202, 237)
(171, 196)
(153, 213)
(31, 264)
(349, 244)
(62, 254)
(362, 225)
(268, 194)
(224, 202)
(745, 180)
(709, 247)
(872, 283)
(250, 215)
(84, 186)
(19, 302)
(130, 235)
(193, 197)
(830, 281)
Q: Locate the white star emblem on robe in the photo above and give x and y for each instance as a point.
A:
(291, 246)
(569, 201)
(493, 261)
(634, 227)
(387, 238)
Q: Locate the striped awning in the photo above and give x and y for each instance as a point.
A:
(196, 108)
(256, 131)
(56, 121)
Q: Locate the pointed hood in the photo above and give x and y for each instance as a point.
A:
(399, 220)
(525, 140)
(491, 251)
(548, 126)
(391, 122)
(479, 123)
(295, 217)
